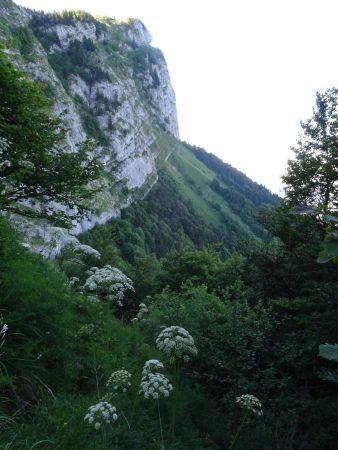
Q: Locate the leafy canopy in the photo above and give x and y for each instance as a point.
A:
(36, 167)
(312, 177)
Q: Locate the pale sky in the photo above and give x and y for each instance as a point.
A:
(245, 72)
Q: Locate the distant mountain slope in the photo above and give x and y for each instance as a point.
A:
(256, 193)
(185, 209)
(108, 83)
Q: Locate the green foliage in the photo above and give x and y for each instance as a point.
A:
(59, 352)
(231, 337)
(241, 206)
(196, 184)
(249, 341)
(79, 59)
(33, 301)
(330, 248)
(143, 58)
(311, 177)
(90, 123)
(201, 268)
(329, 352)
(239, 184)
(23, 39)
(329, 245)
(34, 164)
(161, 222)
(41, 20)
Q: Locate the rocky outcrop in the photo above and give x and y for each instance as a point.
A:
(107, 83)
(70, 33)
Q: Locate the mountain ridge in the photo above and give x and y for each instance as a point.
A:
(109, 84)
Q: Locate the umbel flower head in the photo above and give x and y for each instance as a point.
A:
(3, 331)
(109, 283)
(153, 385)
(143, 309)
(82, 250)
(99, 414)
(151, 366)
(250, 403)
(176, 343)
(119, 381)
(85, 331)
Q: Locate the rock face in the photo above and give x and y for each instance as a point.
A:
(107, 83)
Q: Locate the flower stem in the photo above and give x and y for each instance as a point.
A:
(96, 378)
(124, 417)
(238, 432)
(134, 408)
(176, 388)
(159, 418)
(104, 436)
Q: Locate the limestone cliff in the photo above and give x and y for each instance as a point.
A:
(108, 83)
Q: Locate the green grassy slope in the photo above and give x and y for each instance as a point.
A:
(183, 209)
(193, 179)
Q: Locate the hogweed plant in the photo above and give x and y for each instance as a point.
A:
(85, 331)
(143, 309)
(251, 405)
(3, 332)
(118, 384)
(108, 283)
(179, 347)
(177, 344)
(99, 416)
(152, 365)
(154, 385)
(119, 381)
(101, 413)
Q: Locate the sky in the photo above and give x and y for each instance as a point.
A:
(245, 72)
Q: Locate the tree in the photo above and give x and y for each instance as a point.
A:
(312, 177)
(37, 171)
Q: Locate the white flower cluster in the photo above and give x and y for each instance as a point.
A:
(176, 342)
(153, 385)
(5, 164)
(108, 282)
(101, 413)
(3, 331)
(119, 381)
(4, 144)
(142, 311)
(83, 249)
(250, 403)
(27, 165)
(152, 365)
(85, 331)
(73, 281)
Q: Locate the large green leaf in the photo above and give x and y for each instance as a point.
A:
(329, 351)
(329, 376)
(330, 218)
(330, 249)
